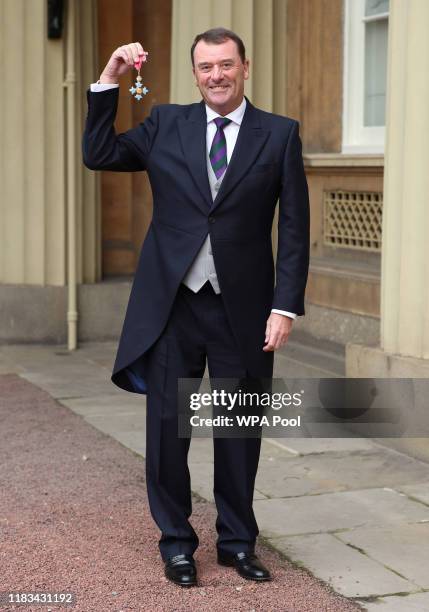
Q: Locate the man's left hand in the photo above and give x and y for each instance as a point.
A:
(277, 331)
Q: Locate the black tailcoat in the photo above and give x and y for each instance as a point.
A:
(266, 166)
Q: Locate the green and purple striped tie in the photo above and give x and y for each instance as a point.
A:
(217, 154)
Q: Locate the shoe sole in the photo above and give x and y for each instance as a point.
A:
(231, 564)
(185, 584)
(182, 584)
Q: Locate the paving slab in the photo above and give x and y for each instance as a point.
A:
(72, 384)
(336, 511)
(101, 353)
(133, 440)
(7, 366)
(202, 480)
(309, 446)
(38, 355)
(419, 491)
(106, 404)
(403, 548)
(113, 424)
(346, 569)
(65, 370)
(340, 471)
(416, 602)
(201, 450)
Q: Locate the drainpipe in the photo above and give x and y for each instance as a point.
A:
(70, 91)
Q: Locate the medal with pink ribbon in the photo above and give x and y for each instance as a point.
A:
(138, 90)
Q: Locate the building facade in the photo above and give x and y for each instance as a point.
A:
(355, 73)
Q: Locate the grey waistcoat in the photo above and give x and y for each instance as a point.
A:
(203, 268)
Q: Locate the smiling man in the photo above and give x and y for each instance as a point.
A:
(204, 291)
(220, 71)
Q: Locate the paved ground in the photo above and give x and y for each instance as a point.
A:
(353, 513)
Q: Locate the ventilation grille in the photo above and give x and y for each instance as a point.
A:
(352, 219)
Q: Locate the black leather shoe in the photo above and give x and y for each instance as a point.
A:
(181, 570)
(247, 565)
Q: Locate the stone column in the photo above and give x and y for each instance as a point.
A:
(404, 347)
(405, 257)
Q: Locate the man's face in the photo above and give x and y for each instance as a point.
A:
(220, 75)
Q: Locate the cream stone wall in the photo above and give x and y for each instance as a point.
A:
(33, 147)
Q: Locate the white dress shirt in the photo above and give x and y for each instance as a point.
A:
(230, 131)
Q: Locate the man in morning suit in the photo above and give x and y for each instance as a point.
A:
(204, 289)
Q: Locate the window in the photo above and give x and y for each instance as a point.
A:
(365, 71)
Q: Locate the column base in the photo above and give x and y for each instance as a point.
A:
(372, 362)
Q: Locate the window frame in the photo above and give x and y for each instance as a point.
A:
(357, 138)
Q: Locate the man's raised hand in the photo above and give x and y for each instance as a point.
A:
(121, 61)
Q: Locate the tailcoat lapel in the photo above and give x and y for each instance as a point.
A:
(192, 132)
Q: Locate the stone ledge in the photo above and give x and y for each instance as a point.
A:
(343, 160)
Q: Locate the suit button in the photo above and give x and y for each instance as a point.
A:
(212, 219)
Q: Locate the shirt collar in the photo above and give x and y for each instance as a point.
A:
(236, 116)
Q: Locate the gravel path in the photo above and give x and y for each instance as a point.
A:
(74, 517)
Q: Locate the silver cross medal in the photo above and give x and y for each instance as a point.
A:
(138, 88)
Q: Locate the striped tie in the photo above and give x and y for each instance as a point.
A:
(217, 154)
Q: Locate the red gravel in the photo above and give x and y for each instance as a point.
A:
(74, 517)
